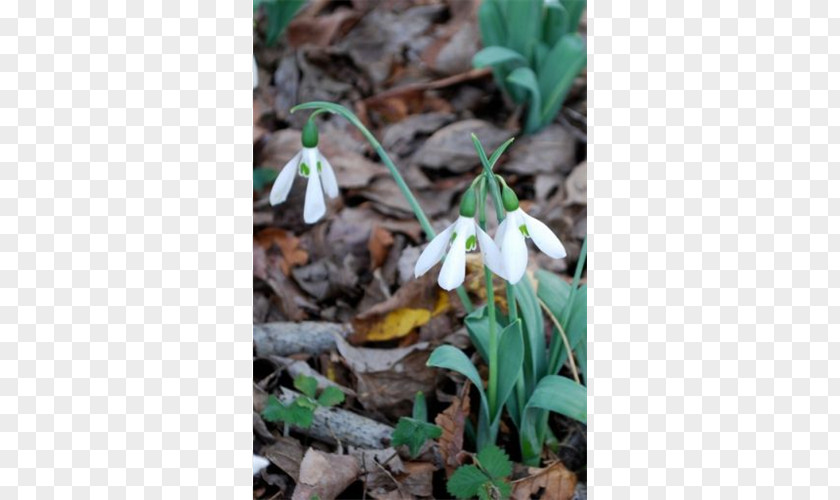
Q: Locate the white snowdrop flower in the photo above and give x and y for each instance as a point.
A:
(512, 233)
(311, 164)
(260, 463)
(256, 74)
(462, 236)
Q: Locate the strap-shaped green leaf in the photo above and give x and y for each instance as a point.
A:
(511, 356)
(495, 55)
(575, 9)
(562, 64)
(525, 78)
(491, 23)
(555, 23)
(451, 358)
(532, 320)
(560, 395)
(523, 18)
(478, 328)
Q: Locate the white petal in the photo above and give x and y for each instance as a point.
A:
(500, 232)
(542, 236)
(434, 252)
(283, 183)
(260, 463)
(256, 72)
(328, 177)
(465, 226)
(313, 205)
(490, 253)
(452, 273)
(514, 251)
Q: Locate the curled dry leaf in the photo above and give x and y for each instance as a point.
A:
(321, 30)
(325, 475)
(451, 420)
(550, 151)
(379, 243)
(289, 245)
(451, 147)
(554, 482)
(286, 453)
(388, 379)
(414, 304)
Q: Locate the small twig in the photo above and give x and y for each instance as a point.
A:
(563, 336)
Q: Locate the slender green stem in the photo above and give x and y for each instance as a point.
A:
(323, 107)
(493, 348)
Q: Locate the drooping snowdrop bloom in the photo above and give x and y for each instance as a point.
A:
(260, 463)
(312, 165)
(256, 74)
(462, 236)
(511, 235)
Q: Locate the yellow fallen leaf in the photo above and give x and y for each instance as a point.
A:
(398, 324)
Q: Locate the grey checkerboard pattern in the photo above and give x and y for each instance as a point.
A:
(714, 144)
(125, 255)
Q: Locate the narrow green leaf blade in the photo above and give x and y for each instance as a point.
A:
(451, 358)
(466, 481)
(512, 354)
(526, 79)
(557, 73)
(555, 23)
(491, 23)
(419, 411)
(495, 55)
(560, 395)
(575, 9)
(523, 22)
(532, 320)
(263, 177)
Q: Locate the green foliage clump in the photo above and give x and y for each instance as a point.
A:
(301, 411)
(535, 52)
(414, 431)
(486, 479)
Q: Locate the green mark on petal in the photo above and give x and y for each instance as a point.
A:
(471, 243)
(319, 167)
(454, 235)
(524, 231)
(304, 170)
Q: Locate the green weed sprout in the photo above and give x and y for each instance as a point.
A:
(301, 411)
(535, 52)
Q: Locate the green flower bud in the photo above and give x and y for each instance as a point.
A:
(468, 203)
(509, 199)
(309, 135)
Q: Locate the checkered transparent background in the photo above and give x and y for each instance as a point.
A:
(713, 149)
(125, 256)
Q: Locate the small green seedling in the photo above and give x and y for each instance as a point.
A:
(486, 479)
(301, 411)
(414, 431)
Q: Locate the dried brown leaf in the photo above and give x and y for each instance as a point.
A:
(288, 244)
(554, 482)
(325, 475)
(451, 420)
(379, 244)
(286, 453)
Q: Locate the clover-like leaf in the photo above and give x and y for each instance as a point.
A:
(466, 482)
(299, 412)
(306, 385)
(414, 434)
(331, 396)
(495, 461)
